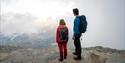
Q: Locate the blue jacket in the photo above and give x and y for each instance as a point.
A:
(76, 25)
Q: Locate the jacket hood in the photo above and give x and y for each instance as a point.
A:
(62, 26)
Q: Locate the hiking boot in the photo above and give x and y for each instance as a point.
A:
(77, 58)
(74, 53)
(61, 59)
(65, 57)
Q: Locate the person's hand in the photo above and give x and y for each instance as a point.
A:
(63, 40)
(73, 38)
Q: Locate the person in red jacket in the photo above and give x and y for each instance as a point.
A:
(62, 39)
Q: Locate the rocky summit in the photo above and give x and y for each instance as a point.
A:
(50, 55)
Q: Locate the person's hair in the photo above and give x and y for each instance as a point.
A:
(76, 11)
(62, 22)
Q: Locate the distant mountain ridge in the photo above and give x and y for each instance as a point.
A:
(33, 40)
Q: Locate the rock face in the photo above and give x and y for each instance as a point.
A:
(94, 58)
(51, 55)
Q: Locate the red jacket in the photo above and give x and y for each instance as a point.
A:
(57, 33)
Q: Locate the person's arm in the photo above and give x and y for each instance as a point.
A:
(57, 35)
(67, 34)
(76, 26)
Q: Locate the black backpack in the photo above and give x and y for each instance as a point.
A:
(63, 34)
(82, 24)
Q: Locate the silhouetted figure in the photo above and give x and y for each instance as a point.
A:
(80, 25)
(62, 39)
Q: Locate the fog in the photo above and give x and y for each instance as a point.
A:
(106, 19)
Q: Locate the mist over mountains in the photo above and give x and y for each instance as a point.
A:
(27, 40)
(26, 30)
(17, 23)
(104, 28)
(19, 30)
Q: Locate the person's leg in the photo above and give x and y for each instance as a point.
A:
(78, 47)
(65, 50)
(60, 51)
(75, 44)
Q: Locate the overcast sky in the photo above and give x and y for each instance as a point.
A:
(106, 18)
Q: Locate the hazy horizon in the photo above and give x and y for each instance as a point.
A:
(106, 19)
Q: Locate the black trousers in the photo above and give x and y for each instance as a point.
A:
(77, 45)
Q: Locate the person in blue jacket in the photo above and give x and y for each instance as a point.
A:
(76, 35)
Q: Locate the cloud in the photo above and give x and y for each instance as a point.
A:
(37, 7)
(13, 23)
